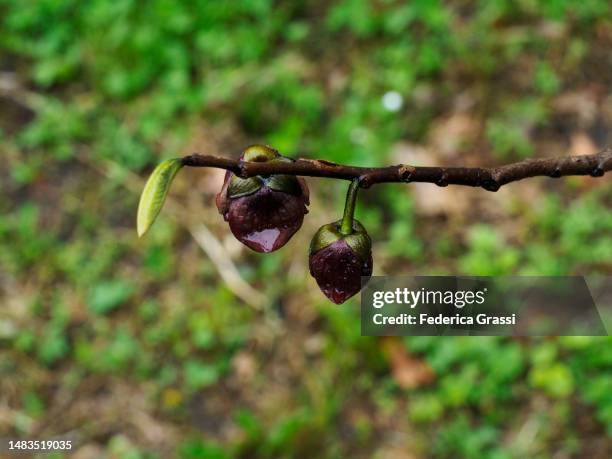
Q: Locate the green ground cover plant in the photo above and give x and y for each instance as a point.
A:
(184, 344)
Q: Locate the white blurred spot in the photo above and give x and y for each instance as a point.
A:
(392, 101)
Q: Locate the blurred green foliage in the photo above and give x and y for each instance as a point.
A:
(106, 89)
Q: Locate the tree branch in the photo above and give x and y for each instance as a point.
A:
(490, 179)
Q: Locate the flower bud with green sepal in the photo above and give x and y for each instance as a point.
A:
(263, 212)
(341, 254)
(338, 262)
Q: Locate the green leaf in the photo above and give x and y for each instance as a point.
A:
(108, 295)
(199, 375)
(154, 193)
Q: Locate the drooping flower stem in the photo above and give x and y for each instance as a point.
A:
(346, 227)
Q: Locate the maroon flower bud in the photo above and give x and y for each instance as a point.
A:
(338, 261)
(263, 212)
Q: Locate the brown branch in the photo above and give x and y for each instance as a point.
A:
(490, 179)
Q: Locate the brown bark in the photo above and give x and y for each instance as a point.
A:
(489, 178)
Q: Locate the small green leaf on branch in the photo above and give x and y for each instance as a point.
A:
(154, 193)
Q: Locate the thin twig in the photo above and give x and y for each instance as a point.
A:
(225, 267)
(489, 178)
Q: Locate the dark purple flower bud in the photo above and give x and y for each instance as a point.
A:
(338, 262)
(263, 212)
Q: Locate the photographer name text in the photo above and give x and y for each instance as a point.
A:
(442, 319)
(413, 298)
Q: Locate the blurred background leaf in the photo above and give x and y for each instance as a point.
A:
(143, 349)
